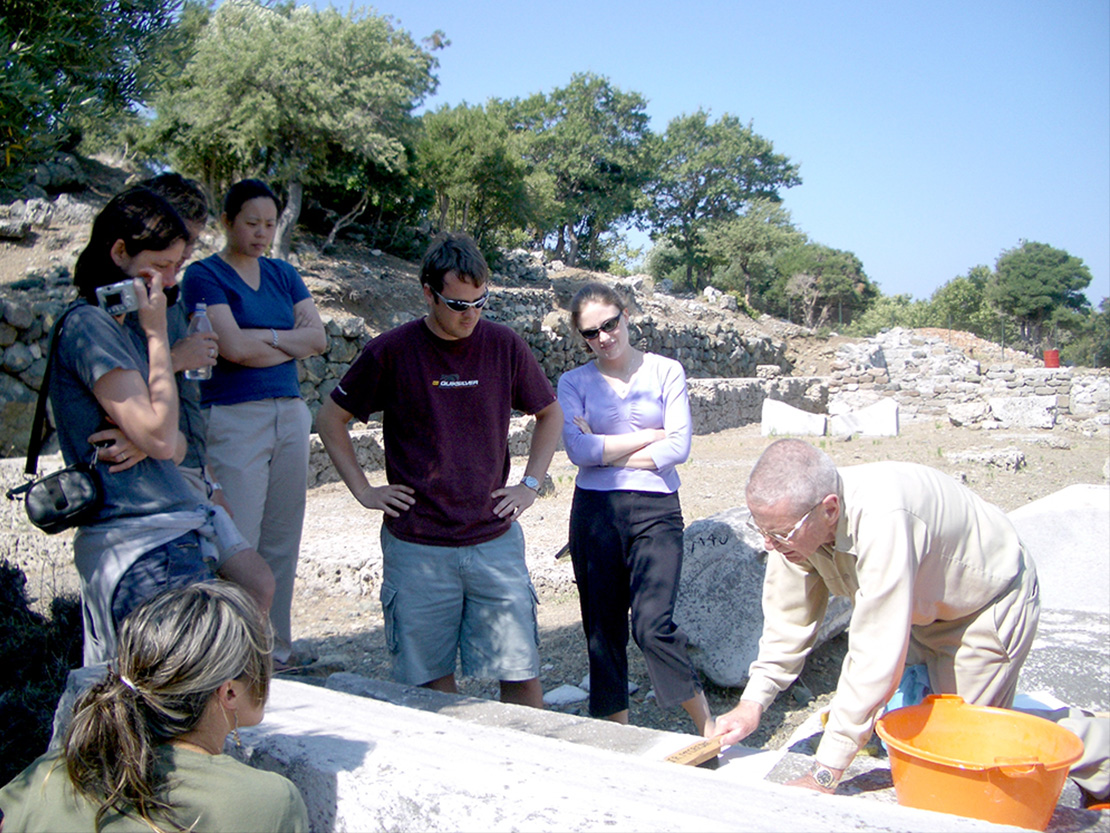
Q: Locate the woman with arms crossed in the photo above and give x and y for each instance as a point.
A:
(626, 426)
(258, 424)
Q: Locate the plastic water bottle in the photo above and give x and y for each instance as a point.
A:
(200, 324)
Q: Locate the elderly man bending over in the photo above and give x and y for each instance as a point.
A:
(936, 575)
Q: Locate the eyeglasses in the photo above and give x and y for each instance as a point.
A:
(456, 305)
(783, 537)
(606, 327)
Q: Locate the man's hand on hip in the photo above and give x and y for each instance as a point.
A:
(393, 499)
(513, 500)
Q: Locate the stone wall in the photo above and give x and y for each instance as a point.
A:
(30, 307)
(928, 377)
(710, 350)
(730, 373)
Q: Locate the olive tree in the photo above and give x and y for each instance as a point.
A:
(707, 172)
(273, 92)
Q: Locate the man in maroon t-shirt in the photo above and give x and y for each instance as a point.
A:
(455, 582)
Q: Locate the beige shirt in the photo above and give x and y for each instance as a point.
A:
(912, 547)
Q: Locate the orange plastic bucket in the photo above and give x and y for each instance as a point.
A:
(976, 761)
(1051, 358)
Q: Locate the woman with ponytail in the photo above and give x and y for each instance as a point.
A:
(144, 751)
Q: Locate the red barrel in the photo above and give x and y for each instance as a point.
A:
(1051, 358)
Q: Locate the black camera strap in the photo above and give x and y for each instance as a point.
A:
(34, 444)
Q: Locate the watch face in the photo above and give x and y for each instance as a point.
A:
(531, 483)
(824, 777)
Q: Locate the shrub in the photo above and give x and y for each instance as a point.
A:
(36, 654)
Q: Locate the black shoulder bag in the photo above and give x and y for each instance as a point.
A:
(66, 498)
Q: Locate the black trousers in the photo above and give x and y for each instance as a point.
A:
(627, 553)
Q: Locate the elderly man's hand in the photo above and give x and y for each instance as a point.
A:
(732, 727)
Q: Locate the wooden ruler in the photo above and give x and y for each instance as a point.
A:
(697, 754)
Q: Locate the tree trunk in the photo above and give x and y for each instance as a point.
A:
(560, 246)
(283, 236)
(346, 219)
(572, 254)
(444, 205)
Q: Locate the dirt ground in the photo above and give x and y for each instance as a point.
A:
(345, 631)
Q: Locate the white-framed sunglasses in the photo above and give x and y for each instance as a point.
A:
(458, 305)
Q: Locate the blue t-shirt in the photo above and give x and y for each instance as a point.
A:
(212, 281)
(90, 345)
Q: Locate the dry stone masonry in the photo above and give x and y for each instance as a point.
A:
(30, 307)
(928, 377)
(731, 372)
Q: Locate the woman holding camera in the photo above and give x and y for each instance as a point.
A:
(258, 424)
(116, 398)
(144, 750)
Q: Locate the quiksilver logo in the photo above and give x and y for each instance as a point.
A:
(452, 380)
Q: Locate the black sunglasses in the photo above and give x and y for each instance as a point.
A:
(606, 327)
(456, 305)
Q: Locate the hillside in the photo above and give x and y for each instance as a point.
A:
(352, 279)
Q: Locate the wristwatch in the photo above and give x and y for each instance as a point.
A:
(825, 777)
(531, 483)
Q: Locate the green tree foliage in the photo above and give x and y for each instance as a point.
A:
(277, 92)
(1090, 344)
(65, 64)
(665, 262)
(890, 311)
(592, 140)
(706, 173)
(472, 162)
(742, 249)
(961, 304)
(1038, 285)
(821, 286)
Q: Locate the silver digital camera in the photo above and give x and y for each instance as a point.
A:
(118, 298)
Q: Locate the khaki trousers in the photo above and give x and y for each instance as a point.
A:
(258, 451)
(980, 656)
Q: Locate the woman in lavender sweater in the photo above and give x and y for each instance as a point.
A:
(626, 426)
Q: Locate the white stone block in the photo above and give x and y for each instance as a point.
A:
(1024, 411)
(780, 419)
(967, 413)
(564, 695)
(878, 420)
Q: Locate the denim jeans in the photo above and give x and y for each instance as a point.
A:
(174, 564)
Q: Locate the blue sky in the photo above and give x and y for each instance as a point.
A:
(930, 136)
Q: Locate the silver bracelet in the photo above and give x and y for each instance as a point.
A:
(273, 334)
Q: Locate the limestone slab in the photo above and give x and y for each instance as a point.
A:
(779, 420)
(877, 420)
